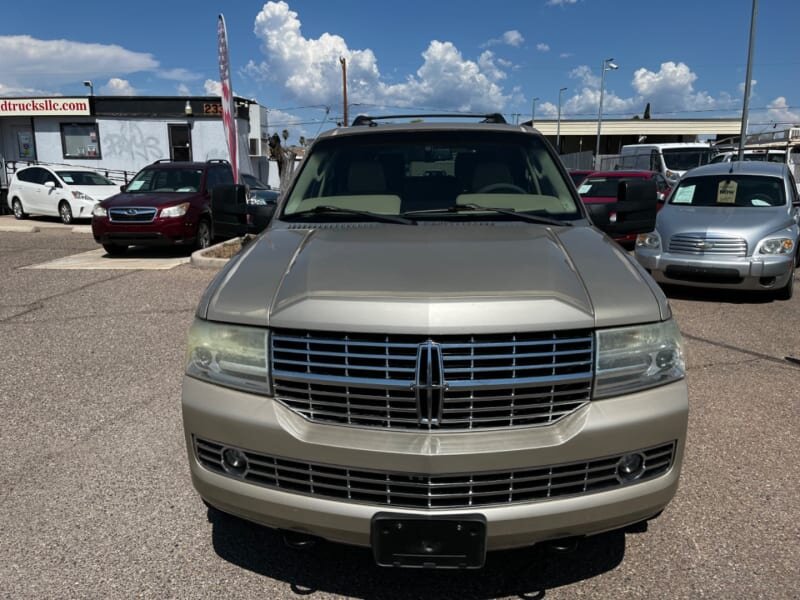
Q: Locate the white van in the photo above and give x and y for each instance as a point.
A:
(671, 160)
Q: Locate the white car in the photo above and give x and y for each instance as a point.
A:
(67, 192)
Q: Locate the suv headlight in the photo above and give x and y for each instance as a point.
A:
(651, 241)
(99, 211)
(776, 246)
(636, 358)
(233, 356)
(175, 211)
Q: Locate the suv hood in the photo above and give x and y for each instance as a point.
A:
(147, 199)
(463, 278)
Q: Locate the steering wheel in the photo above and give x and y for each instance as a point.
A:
(493, 187)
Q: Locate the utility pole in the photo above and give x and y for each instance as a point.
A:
(343, 62)
(533, 111)
(746, 105)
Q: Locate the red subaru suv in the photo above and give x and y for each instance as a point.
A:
(166, 203)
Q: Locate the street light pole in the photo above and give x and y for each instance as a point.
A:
(533, 111)
(558, 124)
(746, 105)
(608, 65)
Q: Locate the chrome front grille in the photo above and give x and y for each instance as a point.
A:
(705, 244)
(132, 214)
(471, 381)
(458, 490)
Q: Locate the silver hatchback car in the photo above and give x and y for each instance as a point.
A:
(728, 225)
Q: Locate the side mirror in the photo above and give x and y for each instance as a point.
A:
(50, 184)
(123, 187)
(633, 212)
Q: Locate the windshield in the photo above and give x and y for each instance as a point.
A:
(166, 180)
(83, 178)
(728, 191)
(683, 159)
(405, 172)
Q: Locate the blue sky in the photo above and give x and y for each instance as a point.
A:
(686, 58)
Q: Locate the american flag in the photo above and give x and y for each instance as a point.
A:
(228, 113)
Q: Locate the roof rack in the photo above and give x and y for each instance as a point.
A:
(370, 120)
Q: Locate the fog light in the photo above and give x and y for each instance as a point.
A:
(234, 461)
(630, 467)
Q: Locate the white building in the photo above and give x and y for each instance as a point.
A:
(121, 134)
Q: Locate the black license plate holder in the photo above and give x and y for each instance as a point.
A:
(436, 542)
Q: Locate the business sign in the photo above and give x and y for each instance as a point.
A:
(43, 107)
(228, 109)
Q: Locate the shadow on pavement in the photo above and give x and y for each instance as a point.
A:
(350, 571)
(677, 292)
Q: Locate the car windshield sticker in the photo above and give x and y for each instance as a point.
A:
(684, 195)
(67, 178)
(584, 188)
(726, 192)
(134, 185)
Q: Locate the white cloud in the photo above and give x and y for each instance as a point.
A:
(179, 75)
(542, 47)
(509, 38)
(560, 2)
(671, 89)
(310, 72)
(118, 87)
(486, 62)
(212, 87)
(513, 38)
(565, 55)
(183, 90)
(26, 61)
(753, 83)
(779, 112)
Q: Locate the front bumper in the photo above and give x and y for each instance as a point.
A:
(160, 232)
(603, 428)
(763, 272)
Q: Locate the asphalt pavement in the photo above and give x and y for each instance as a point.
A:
(96, 500)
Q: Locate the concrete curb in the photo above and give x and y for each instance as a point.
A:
(210, 262)
(20, 228)
(82, 229)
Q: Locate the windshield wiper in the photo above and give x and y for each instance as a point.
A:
(325, 209)
(524, 216)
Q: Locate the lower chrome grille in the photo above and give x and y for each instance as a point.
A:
(450, 382)
(460, 490)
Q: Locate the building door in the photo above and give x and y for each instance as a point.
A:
(180, 142)
(18, 142)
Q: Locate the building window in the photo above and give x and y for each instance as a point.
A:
(80, 140)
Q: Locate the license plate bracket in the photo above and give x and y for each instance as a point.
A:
(435, 542)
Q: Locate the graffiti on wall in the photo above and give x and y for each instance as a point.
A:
(130, 142)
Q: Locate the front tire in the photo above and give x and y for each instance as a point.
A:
(115, 249)
(203, 235)
(65, 212)
(16, 206)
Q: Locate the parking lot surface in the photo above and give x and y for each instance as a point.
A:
(96, 501)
